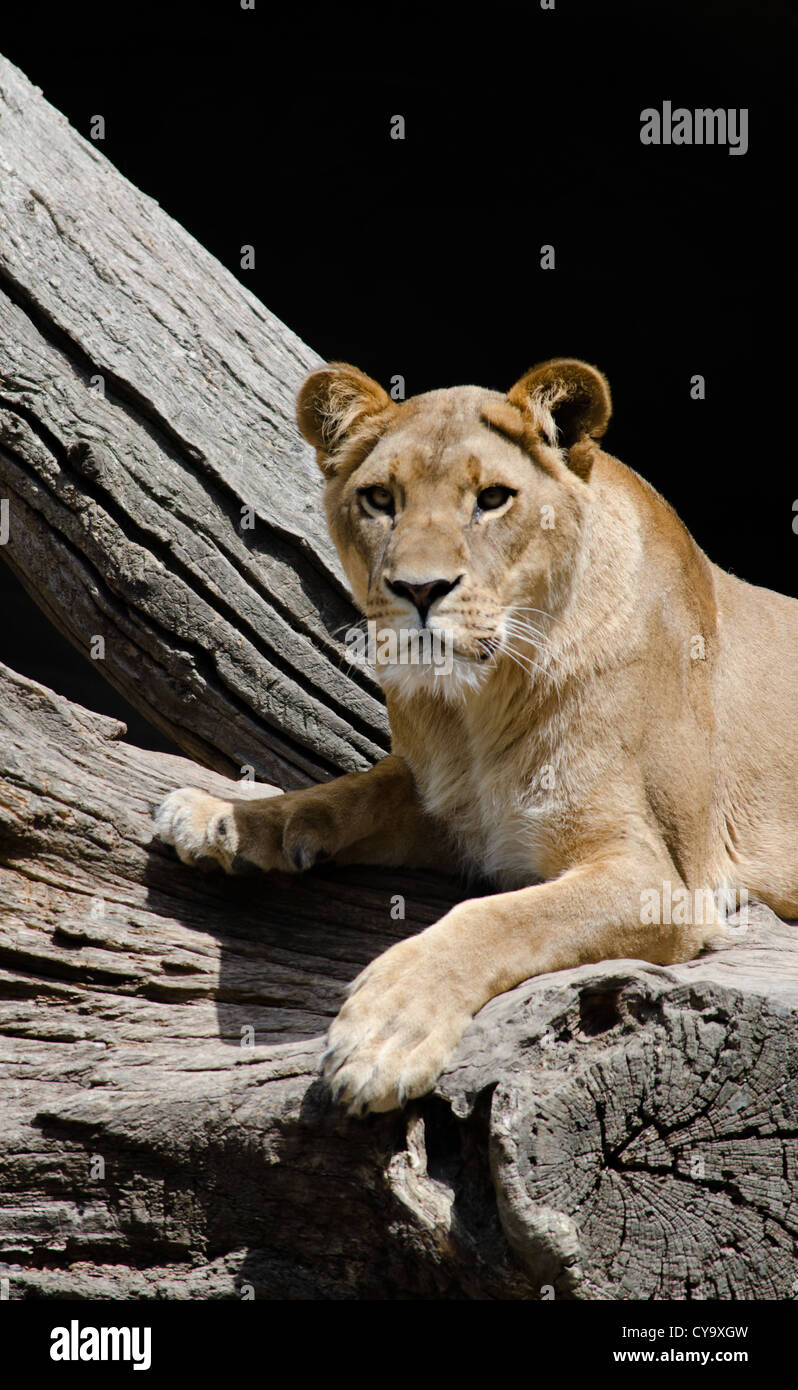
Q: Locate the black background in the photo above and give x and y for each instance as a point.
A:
(203, 1342)
(421, 257)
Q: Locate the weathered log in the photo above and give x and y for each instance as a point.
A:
(160, 495)
(622, 1130)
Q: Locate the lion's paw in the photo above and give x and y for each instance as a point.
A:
(396, 1031)
(199, 827)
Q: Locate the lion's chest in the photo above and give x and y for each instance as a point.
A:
(491, 805)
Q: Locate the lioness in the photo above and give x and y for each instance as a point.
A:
(620, 718)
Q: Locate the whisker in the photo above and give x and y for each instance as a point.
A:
(525, 663)
(524, 659)
(346, 627)
(525, 633)
(521, 659)
(526, 608)
(518, 626)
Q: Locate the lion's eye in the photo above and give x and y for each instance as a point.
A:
(379, 499)
(492, 497)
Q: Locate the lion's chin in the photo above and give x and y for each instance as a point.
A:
(454, 681)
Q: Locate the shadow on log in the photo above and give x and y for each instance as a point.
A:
(618, 1131)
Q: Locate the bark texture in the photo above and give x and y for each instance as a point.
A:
(620, 1130)
(617, 1131)
(160, 496)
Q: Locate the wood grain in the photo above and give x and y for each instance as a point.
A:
(175, 512)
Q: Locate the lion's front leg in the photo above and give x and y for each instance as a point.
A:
(371, 817)
(403, 1018)
(406, 1012)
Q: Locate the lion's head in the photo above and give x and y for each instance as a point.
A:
(457, 511)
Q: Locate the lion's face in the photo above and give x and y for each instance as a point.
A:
(444, 525)
(456, 514)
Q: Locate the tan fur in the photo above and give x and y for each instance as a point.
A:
(641, 730)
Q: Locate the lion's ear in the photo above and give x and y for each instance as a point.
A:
(569, 402)
(336, 405)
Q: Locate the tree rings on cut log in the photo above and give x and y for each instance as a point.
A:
(665, 1165)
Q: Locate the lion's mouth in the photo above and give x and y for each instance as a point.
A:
(433, 644)
(477, 658)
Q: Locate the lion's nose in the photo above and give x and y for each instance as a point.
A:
(422, 596)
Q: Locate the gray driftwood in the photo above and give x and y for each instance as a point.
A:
(620, 1130)
(160, 496)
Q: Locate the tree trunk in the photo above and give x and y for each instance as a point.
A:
(161, 499)
(620, 1130)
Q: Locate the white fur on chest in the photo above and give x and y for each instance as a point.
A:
(496, 810)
